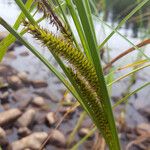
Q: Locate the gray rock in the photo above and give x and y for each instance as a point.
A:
(38, 101)
(4, 96)
(39, 83)
(9, 115)
(6, 106)
(3, 83)
(83, 132)
(23, 76)
(51, 118)
(15, 81)
(33, 141)
(3, 139)
(24, 94)
(57, 138)
(24, 104)
(27, 118)
(6, 70)
(24, 54)
(24, 131)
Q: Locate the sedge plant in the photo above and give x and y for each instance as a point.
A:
(81, 65)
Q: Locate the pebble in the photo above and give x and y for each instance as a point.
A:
(15, 82)
(24, 131)
(27, 118)
(33, 141)
(3, 139)
(38, 101)
(84, 131)
(3, 84)
(24, 94)
(24, 104)
(4, 96)
(39, 84)
(51, 118)
(24, 54)
(7, 116)
(6, 70)
(23, 76)
(57, 138)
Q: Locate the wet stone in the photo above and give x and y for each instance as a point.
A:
(6, 106)
(27, 118)
(24, 77)
(51, 119)
(8, 116)
(24, 54)
(15, 82)
(57, 138)
(39, 84)
(24, 131)
(6, 70)
(85, 131)
(3, 138)
(24, 104)
(24, 94)
(33, 141)
(38, 101)
(4, 96)
(3, 84)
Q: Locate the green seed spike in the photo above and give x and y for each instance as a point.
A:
(91, 100)
(64, 49)
(85, 75)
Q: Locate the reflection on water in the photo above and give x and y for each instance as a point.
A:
(119, 9)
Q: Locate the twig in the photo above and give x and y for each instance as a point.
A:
(143, 43)
(59, 123)
(138, 140)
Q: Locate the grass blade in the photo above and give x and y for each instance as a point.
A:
(5, 43)
(123, 22)
(86, 20)
(130, 94)
(38, 55)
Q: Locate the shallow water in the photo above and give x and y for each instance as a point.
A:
(36, 70)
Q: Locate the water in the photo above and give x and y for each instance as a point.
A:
(116, 45)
